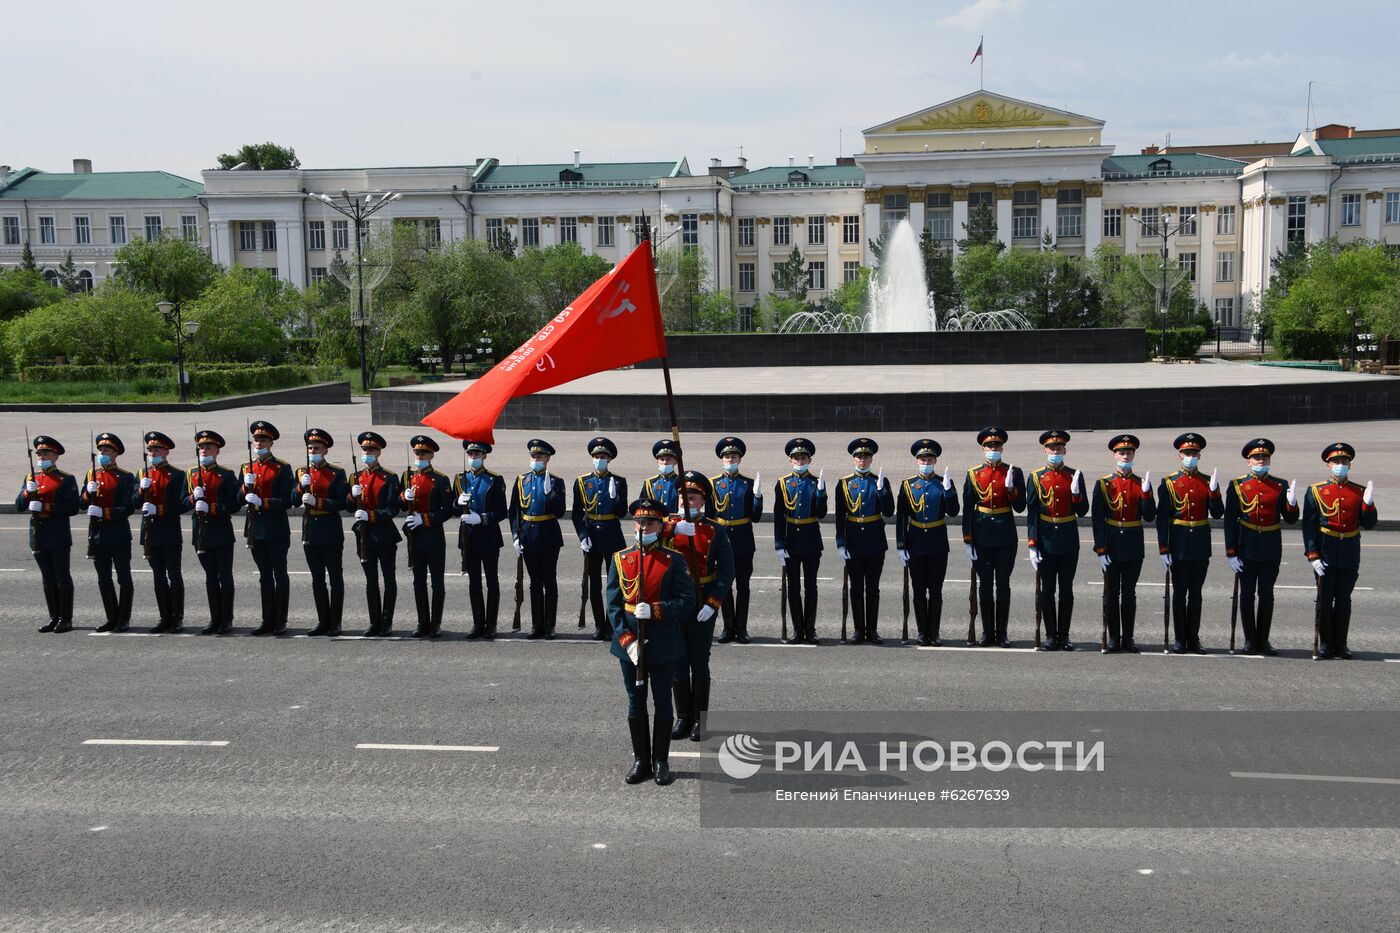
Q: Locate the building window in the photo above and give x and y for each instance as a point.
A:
(1187, 261)
(893, 209)
(340, 234)
(432, 231)
(782, 231)
(152, 227)
(976, 199)
(116, 227)
(84, 279)
(1225, 221)
(746, 277)
(530, 231)
(315, 234)
(1025, 214)
(189, 227)
(1113, 222)
(939, 218)
(495, 229)
(850, 270)
(1225, 312)
(247, 236)
(568, 229)
(1297, 218)
(850, 229)
(746, 231)
(690, 230)
(746, 319)
(639, 223)
(1392, 207)
(82, 231)
(46, 230)
(816, 230)
(605, 231)
(269, 235)
(1186, 217)
(1148, 219)
(272, 271)
(816, 275)
(1069, 213)
(318, 274)
(1225, 266)
(1351, 210)
(11, 231)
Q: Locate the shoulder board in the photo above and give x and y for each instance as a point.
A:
(672, 551)
(849, 476)
(490, 472)
(436, 472)
(1356, 486)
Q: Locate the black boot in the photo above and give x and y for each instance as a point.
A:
(176, 606)
(375, 610)
(215, 612)
(798, 629)
(439, 600)
(65, 611)
(988, 610)
(1114, 640)
(125, 596)
(493, 607)
(1064, 614)
(1251, 638)
(680, 691)
(536, 615)
(921, 620)
(726, 611)
(1324, 633)
(478, 603)
(1003, 619)
(858, 620)
(1261, 631)
(323, 613)
(425, 621)
(1341, 623)
(51, 602)
(700, 698)
(551, 613)
(108, 592)
(872, 617)
(1193, 628)
(741, 619)
(661, 751)
(809, 616)
(1129, 615)
(279, 620)
(641, 749)
(337, 612)
(163, 610)
(935, 619)
(226, 611)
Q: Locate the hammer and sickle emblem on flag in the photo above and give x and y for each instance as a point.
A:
(625, 305)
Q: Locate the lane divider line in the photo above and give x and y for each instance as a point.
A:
(1330, 778)
(397, 747)
(160, 742)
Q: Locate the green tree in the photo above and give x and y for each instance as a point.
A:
(245, 316)
(552, 277)
(26, 258)
(21, 290)
(1332, 280)
(790, 279)
(503, 242)
(718, 312)
(981, 229)
(171, 267)
(983, 279)
(680, 282)
(111, 325)
(267, 156)
(468, 290)
(1128, 289)
(939, 277)
(68, 275)
(851, 298)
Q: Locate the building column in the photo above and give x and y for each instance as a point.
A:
(834, 274)
(918, 208)
(1049, 207)
(1130, 230)
(1375, 204)
(1205, 258)
(291, 254)
(1093, 216)
(1004, 231)
(763, 262)
(549, 234)
(1277, 227)
(221, 242)
(1317, 218)
(871, 223)
(959, 216)
(585, 233)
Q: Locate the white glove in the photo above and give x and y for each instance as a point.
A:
(585, 544)
(357, 490)
(308, 499)
(947, 478)
(253, 498)
(821, 481)
(1293, 493)
(1236, 564)
(685, 528)
(306, 480)
(1369, 495)
(1147, 483)
(706, 613)
(148, 508)
(643, 611)
(145, 482)
(464, 500)
(414, 520)
(94, 511)
(1104, 561)
(35, 505)
(249, 479)
(1076, 485)
(1010, 476)
(409, 493)
(1034, 558)
(1167, 561)
(471, 518)
(612, 487)
(903, 557)
(519, 548)
(880, 478)
(91, 487)
(1215, 480)
(844, 553)
(971, 553)
(361, 515)
(548, 483)
(1319, 567)
(758, 485)
(201, 506)
(31, 486)
(198, 493)
(783, 555)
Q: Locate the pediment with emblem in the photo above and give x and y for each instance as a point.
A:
(981, 110)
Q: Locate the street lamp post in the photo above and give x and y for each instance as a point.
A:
(359, 211)
(1164, 231)
(171, 312)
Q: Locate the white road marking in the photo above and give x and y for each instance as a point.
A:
(676, 754)
(600, 845)
(97, 829)
(1144, 871)
(161, 742)
(976, 648)
(1330, 778)
(393, 747)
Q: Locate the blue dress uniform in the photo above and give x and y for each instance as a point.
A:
(799, 505)
(427, 500)
(1334, 514)
(323, 489)
(705, 545)
(480, 501)
(649, 573)
(1185, 506)
(50, 496)
(664, 487)
(107, 495)
(1122, 502)
(863, 502)
(214, 494)
(600, 504)
(158, 496)
(1056, 500)
(374, 501)
(269, 487)
(738, 506)
(989, 531)
(925, 503)
(1255, 506)
(536, 505)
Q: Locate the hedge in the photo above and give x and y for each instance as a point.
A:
(1306, 343)
(207, 380)
(1182, 342)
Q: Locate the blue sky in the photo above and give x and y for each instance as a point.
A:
(427, 83)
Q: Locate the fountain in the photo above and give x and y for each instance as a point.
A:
(899, 298)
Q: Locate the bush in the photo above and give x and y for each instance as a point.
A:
(210, 380)
(1307, 343)
(1182, 342)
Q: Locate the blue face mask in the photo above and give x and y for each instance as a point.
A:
(475, 463)
(370, 459)
(1055, 459)
(1190, 463)
(206, 460)
(665, 469)
(104, 460)
(926, 469)
(1259, 469)
(694, 513)
(601, 465)
(1339, 470)
(537, 466)
(646, 538)
(731, 468)
(800, 468)
(1124, 466)
(317, 458)
(265, 452)
(157, 459)
(421, 464)
(45, 464)
(994, 456)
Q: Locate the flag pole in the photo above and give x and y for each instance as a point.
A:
(982, 64)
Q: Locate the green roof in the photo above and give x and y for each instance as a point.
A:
(592, 175)
(1358, 147)
(1181, 164)
(92, 186)
(800, 176)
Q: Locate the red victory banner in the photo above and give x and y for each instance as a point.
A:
(615, 322)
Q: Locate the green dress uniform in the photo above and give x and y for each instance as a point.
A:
(158, 497)
(376, 536)
(324, 489)
(992, 491)
(268, 490)
(1122, 503)
(214, 495)
(108, 495)
(1256, 506)
(1185, 505)
(1335, 512)
(50, 496)
(1056, 500)
(480, 497)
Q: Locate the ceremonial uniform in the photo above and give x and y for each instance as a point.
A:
(159, 495)
(481, 505)
(664, 486)
(991, 492)
(705, 545)
(268, 488)
(214, 494)
(108, 495)
(925, 503)
(1122, 502)
(1256, 505)
(324, 490)
(600, 504)
(799, 504)
(50, 496)
(1186, 502)
(536, 505)
(651, 575)
(374, 500)
(1056, 501)
(1334, 514)
(738, 505)
(863, 502)
(427, 500)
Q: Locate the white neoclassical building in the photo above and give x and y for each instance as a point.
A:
(1231, 207)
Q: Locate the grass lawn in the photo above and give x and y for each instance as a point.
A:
(14, 392)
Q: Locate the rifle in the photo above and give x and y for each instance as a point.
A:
(94, 523)
(1234, 612)
(845, 600)
(583, 587)
(201, 522)
(1103, 638)
(34, 517)
(145, 497)
(905, 637)
(305, 517)
(972, 607)
(358, 528)
(641, 680)
(248, 512)
(412, 505)
(1037, 607)
(1317, 614)
(1166, 609)
(782, 599)
(520, 592)
(465, 531)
